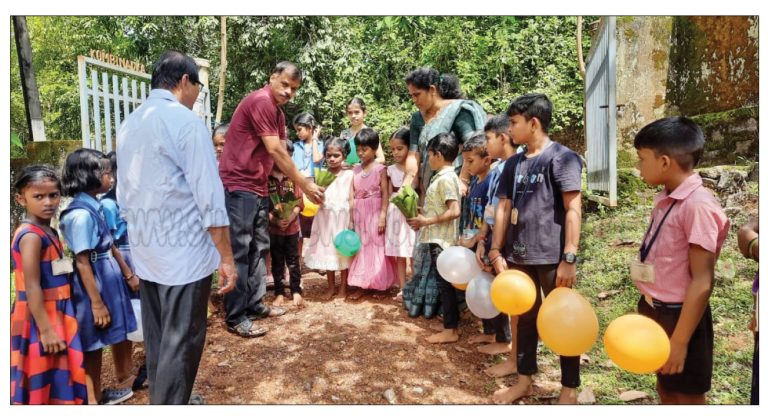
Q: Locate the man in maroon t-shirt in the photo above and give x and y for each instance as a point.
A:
(254, 144)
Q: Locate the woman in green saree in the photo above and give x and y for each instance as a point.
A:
(442, 109)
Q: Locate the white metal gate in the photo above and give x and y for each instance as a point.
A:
(108, 94)
(600, 113)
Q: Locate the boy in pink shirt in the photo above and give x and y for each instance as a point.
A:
(676, 266)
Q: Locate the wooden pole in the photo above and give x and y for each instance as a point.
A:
(28, 83)
(222, 71)
(582, 68)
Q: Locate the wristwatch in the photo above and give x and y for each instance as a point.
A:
(569, 258)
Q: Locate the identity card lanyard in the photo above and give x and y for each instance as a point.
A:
(62, 265)
(646, 249)
(515, 200)
(53, 241)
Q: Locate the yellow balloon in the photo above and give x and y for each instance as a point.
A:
(513, 292)
(462, 286)
(310, 209)
(636, 343)
(567, 323)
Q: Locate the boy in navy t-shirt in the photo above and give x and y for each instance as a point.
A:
(474, 232)
(537, 228)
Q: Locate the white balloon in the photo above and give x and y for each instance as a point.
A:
(457, 265)
(138, 335)
(478, 296)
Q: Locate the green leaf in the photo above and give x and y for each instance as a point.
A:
(16, 140)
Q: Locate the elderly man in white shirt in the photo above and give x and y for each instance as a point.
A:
(173, 201)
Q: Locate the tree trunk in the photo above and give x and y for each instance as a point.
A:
(582, 68)
(222, 71)
(28, 83)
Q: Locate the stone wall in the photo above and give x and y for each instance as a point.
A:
(713, 64)
(642, 69)
(704, 67)
(731, 136)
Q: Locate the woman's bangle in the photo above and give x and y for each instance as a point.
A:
(128, 278)
(750, 246)
(481, 238)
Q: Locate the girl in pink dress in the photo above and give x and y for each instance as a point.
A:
(370, 269)
(332, 218)
(399, 239)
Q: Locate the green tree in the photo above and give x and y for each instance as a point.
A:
(495, 58)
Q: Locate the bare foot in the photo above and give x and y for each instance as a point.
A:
(357, 294)
(446, 336)
(505, 368)
(328, 294)
(481, 338)
(279, 300)
(495, 348)
(512, 393)
(343, 293)
(568, 396)
(298, 301)
(437, 326)
(398, 297)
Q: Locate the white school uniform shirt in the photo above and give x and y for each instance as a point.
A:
(169, 191)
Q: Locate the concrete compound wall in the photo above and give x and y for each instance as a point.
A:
(704, 67)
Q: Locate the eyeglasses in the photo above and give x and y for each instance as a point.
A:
(197, 82)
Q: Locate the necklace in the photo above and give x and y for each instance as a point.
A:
(365, 174)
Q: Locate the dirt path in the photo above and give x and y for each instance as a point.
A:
(341, 352)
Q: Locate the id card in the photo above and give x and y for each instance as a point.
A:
(61, 266)
(489, 213)
(469, 233)
(513, 216)
(642, 272)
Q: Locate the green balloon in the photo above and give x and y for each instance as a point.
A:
(347, 242)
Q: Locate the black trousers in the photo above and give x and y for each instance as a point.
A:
(754, 398)
(174, 321)
(249, 235)
(447, 293)
(544, 277)
(285, 250)
(498, 325)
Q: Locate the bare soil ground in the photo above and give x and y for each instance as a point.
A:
(342, 352)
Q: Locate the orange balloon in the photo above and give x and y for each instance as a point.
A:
(567, 323)
(636, 343)
(513, 292)
(462, 286)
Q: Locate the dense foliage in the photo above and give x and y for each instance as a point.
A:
(495, 58)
